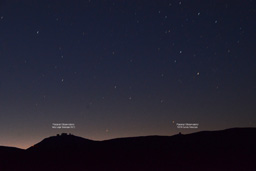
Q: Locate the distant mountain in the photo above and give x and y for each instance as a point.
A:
(231, 149)
(60, 142)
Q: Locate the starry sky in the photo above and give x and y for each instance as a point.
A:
(125, 67)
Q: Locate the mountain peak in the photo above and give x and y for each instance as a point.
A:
(61, 141)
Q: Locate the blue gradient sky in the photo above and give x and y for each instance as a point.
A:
(125, 68)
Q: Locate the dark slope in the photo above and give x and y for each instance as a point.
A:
(231, 149)
(10, 156)
(10, 150)
(227, 149)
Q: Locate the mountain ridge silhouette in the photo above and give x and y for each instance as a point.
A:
(229, 149)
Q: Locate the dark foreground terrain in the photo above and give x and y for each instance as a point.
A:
(231, 149)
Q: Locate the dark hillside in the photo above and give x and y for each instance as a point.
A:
(231, 149)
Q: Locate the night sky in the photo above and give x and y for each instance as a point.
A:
(125, 68)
